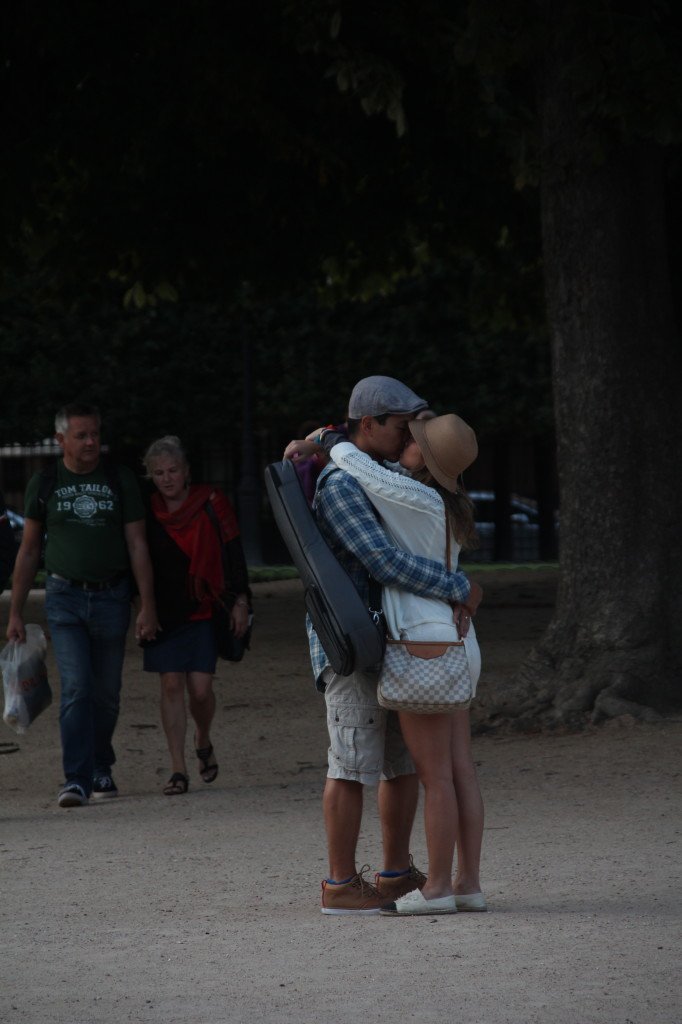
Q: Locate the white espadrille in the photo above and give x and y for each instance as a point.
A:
(474, 901)
(414, 904)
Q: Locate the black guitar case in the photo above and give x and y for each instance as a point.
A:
(353, 637)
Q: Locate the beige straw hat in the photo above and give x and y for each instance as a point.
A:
(448, 445)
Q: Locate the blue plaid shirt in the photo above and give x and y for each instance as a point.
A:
(357, 538)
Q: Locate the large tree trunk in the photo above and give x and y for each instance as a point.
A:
(615, 644)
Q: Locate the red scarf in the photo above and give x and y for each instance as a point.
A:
(195, 534)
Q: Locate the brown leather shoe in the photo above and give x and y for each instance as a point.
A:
(391, 889)
(357, 896)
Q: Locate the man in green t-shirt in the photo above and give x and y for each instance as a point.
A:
(94, 518)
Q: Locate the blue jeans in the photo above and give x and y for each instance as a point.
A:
(88, 631)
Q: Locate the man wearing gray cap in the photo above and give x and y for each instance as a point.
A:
(384, 396)
(366, 745)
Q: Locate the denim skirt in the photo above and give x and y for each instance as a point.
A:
(189, 648)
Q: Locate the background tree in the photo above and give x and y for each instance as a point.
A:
(615, 644)
(609, 105)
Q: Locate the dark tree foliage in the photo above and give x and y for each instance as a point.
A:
(205, 155)
(195, 149)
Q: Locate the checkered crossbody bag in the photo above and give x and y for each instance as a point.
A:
(425, 677)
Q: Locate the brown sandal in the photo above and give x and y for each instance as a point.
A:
(176, 785)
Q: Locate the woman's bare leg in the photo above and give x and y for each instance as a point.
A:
(469, 807)
(174, 717)
(428, 738)
(201, 706)
(202, 710)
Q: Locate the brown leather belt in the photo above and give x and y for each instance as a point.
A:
(91, 586)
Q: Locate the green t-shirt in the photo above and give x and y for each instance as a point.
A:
(85, 519)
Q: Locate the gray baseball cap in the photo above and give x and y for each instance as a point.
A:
(377, 396)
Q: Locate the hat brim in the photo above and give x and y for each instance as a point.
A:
(462, 447)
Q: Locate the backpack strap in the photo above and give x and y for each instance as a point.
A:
(375, 588)
(113, 476)
(46, 485)
(330, 468)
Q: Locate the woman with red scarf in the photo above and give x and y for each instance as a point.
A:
(185, 549)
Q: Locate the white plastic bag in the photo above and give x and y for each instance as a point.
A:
(24, 678)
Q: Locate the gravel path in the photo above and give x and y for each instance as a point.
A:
(205, 907)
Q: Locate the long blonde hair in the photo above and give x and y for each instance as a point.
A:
(459, 511)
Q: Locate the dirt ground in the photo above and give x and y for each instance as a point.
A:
(205, 907)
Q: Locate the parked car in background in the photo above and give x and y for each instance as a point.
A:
(16, 521)
(8, 546)
(525, 528)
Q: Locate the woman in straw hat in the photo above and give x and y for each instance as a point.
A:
(417, 507)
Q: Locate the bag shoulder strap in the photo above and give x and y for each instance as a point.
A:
(211, 513)
(326, 473)
(111, 472)
(375, 588)
(46, 485)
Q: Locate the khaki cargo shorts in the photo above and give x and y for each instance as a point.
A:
(366, 744)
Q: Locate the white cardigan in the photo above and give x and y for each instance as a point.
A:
(414, 516)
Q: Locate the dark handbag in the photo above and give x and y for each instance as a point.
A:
(230, 647)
